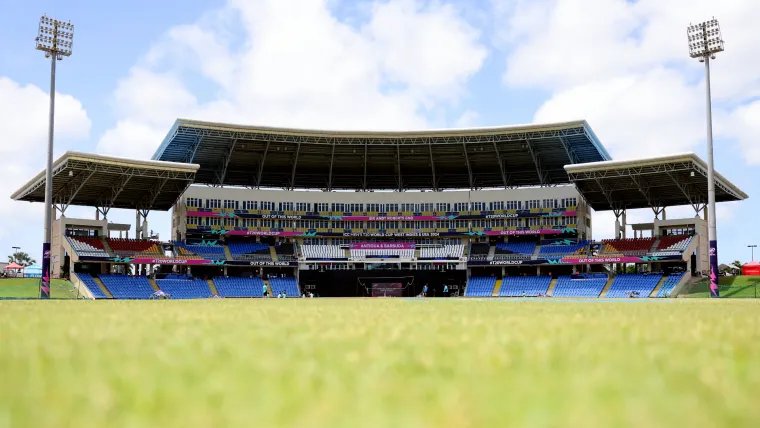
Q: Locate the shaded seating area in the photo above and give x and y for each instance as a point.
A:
(238, 287)
(529, 286)
(185, 288)
(480, 286)
(127, 287)
(627, 283)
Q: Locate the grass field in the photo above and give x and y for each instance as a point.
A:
(30, 288)
(730, 287)
(380, 363)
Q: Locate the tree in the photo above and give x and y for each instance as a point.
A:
(737, 265)
(21, 258)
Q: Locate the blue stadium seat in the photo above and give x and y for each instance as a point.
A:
(91, 285)
(627, 283)
(670, 284)
(288, 284)
(239, 287)
(590, 286)
(480, 286)
(518, 286)
(208, 252)
(524, 248)
(185, 288)
(562, 249)
(249, 251)
(127, 287)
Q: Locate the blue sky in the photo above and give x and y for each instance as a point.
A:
(397, 64)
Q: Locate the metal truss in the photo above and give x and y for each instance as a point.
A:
(65, 196)
(220, 175)
(569, 150)
(261, 167)
(607, 192)
(295, 163)
(329, 175)
(432, 167)
(400, 179)
(281, 137)
(695, 199)
(108, 200)
(467, 162)
(543, 176)
(190, 155)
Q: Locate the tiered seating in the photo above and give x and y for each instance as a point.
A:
(511, 250)
(582, 287)
(670, 284)
(323, 252)
(479, 251)
(249, 251)
(288, 284)
(184, 253)
(127, 287)
(561, 250)
(239, 287)
(444, 252)
(480, 286)
(630, 246)
(285, 252)
(91, 285)
(208, 252)
(130, 247)
(363, 254)
(185, 288)
(672, 245)
(625, 283)
(517, 286)
(88, 247)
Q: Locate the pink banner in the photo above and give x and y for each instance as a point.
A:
(523, 232)
(382, 246)
(590, 260)
(149, 261)
(262, 233)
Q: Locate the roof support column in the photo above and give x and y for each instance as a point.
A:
(400, 180)
(261, 166)
(364, 180)
(332, 159)
(293, 171)
(193, 149)
(467, 161)
(65, 200)
(537, 161)
(501, 166)
(108, 201)
(225, 163)
(569, 150)
(432, 165)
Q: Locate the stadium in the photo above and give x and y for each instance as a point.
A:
(487, 212)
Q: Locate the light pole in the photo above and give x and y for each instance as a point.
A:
(752, 248)
(55, 38)
(704, 42)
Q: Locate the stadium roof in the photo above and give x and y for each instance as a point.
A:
(111, 182)
(664, 181)
(526, 155)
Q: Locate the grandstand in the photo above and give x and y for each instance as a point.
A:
(521, 220)
(626, 284)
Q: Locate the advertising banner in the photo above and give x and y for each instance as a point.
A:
(382, 246)
(394, 217)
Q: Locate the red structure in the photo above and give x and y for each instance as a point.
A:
(751, 269)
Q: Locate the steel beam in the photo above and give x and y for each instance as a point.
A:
(542, 175)
(432, 166)
(329, 176)
(501, 166)
(225, 163)
(399, 180)
(293, 171)
(364, 181)
(261, 166)
(467, 161)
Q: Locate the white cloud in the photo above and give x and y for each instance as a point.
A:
(407, 58)
(23, 148)
(625, 67)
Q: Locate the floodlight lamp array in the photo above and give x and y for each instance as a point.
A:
(55, 37)
(704, 39)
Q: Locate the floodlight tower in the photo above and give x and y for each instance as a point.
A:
(704, 42)
(56, 39)
(751, 247)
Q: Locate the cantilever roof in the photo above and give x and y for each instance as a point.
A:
(662, 181)
(252, 156)
(111, 182)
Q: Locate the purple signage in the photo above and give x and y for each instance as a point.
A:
(149, 261)
(523, 232)
(382, 246)
(45, 283)
(714, 290)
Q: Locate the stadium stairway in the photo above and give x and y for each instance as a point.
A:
(211, 285)
(536, 252)
(607, 286)
(228, 254)
(496, 288)
(103, 288)
(273, 253)
(658, 286)
(656, 242)
(552, 284)
(107, 247)
(153, 283)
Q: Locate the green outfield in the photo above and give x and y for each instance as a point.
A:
(730, 287)
(30, 288)
(380, 363)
